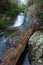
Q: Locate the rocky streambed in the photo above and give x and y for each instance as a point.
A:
(15, 31)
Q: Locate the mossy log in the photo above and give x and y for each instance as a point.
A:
(12, 55)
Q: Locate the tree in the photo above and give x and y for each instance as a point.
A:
(30, 2)
(4, 5)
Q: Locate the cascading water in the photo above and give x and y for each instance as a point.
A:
(4, 45)
(19, 20)
(22, 24)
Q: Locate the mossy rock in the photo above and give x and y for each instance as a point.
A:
(36, 48)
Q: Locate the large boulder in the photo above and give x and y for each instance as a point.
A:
(31, 11)
(36, 48)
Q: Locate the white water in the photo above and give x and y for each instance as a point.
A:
(4, 45)
(19, 20)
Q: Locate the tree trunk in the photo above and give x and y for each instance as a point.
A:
(4, 5)
(12, 55)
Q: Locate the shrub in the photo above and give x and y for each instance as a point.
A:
(2, 23)
(40, 15)
(13, 11)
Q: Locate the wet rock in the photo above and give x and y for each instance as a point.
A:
(36, 48)
(31, 11)
(4, 45)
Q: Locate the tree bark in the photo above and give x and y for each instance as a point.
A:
(12, 55)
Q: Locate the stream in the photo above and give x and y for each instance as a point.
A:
(20, 26)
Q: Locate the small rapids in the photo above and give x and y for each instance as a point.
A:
(19, 21)
(21, 24)
(4, 45)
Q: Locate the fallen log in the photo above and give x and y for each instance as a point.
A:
(12, 55)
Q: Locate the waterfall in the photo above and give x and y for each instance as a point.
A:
(19, 20)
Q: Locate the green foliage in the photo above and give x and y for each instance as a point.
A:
(36, 1)
(40, 15)
(13, 11)
(2, 22)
